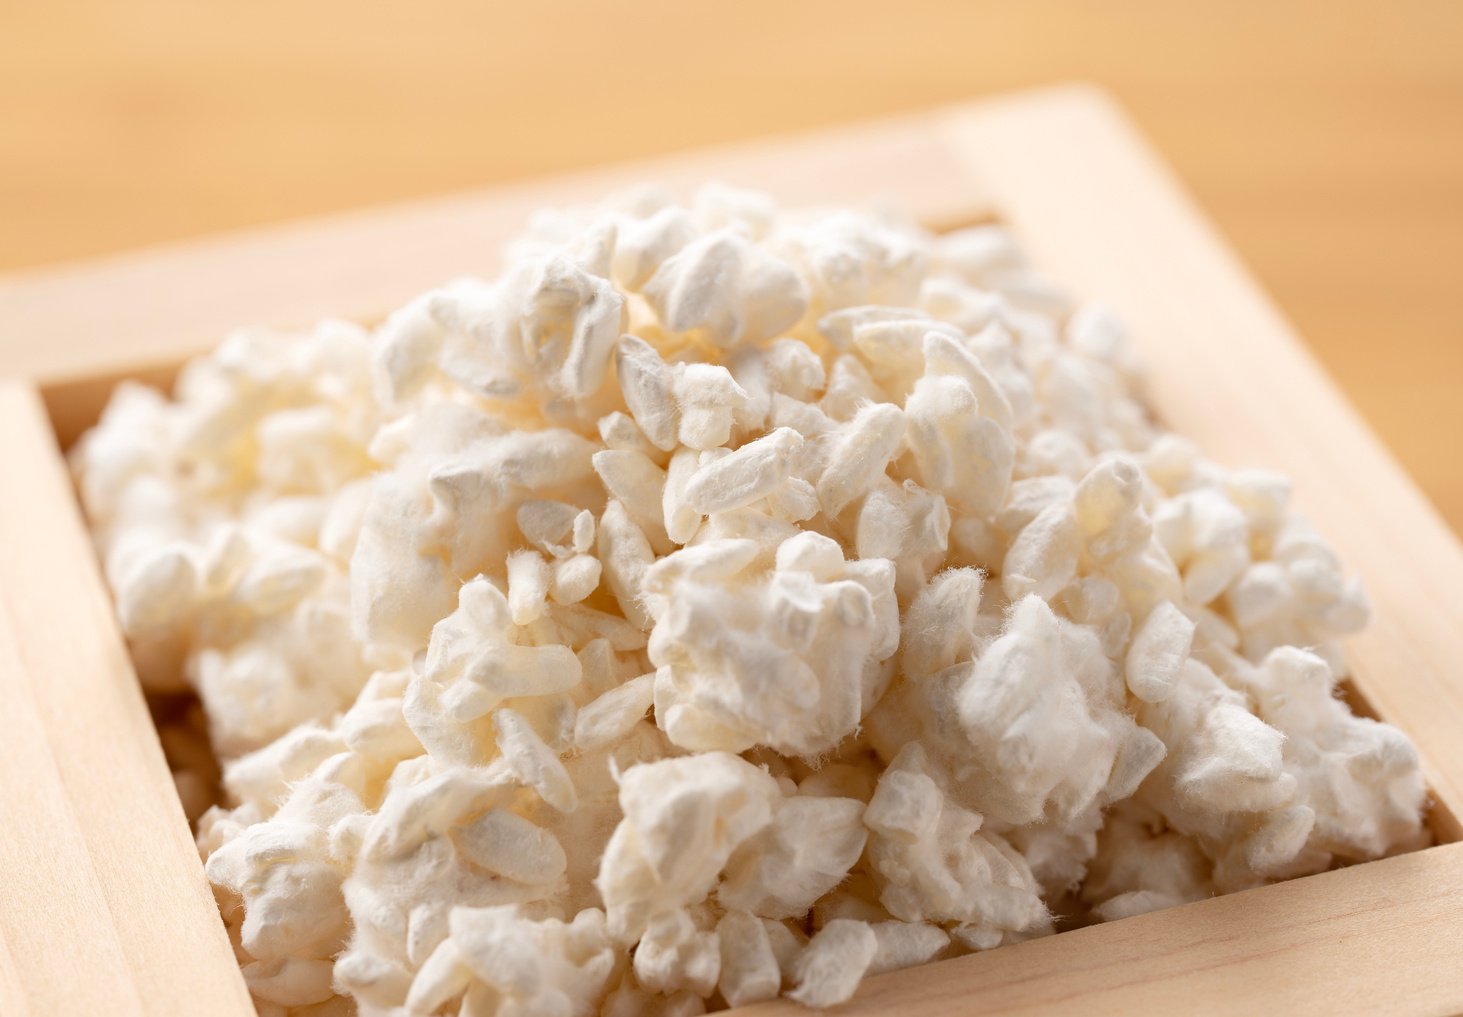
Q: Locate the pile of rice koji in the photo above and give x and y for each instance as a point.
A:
(724, 602)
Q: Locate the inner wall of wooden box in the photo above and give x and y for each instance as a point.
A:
(75, 405)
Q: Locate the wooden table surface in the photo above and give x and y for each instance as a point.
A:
(1326, 139)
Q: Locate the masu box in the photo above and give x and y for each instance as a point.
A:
(103, 903)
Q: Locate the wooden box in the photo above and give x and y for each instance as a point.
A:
(103, 903)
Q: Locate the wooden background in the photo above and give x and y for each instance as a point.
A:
(1326, 139)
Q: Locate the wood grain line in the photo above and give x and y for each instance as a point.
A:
(103, 904)
(1386, 937)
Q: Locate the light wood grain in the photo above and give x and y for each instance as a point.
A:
(1097, 209)
(103, 905)
(1382, 938)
